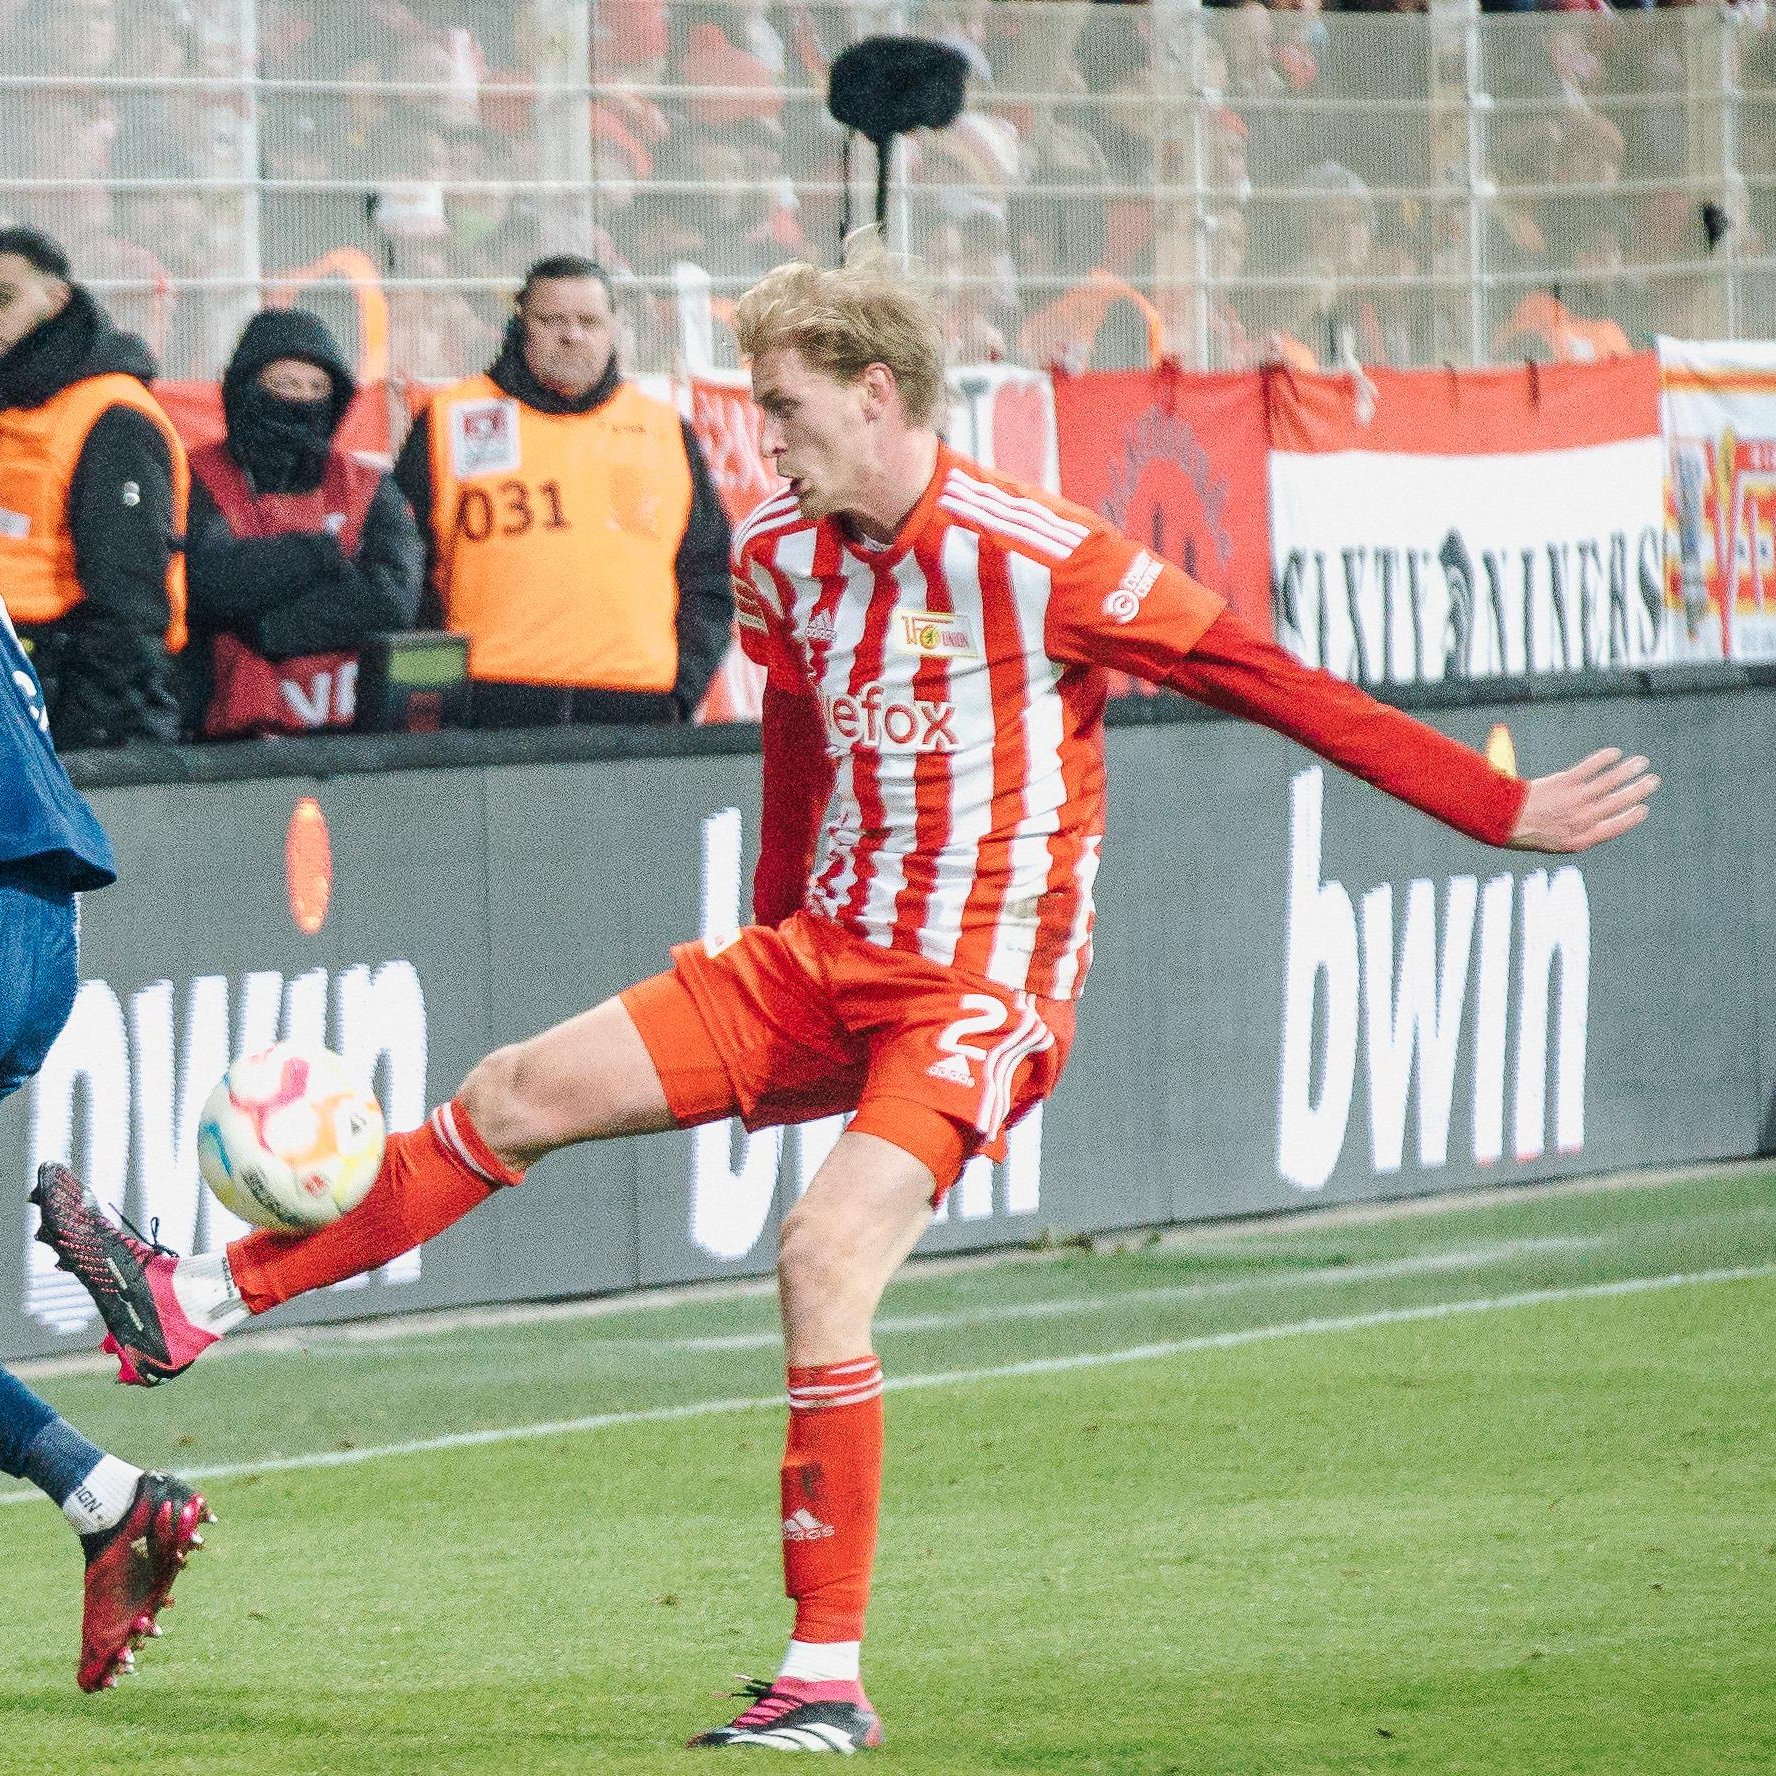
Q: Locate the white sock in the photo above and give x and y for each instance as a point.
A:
(835, 1661)
(101, 1499)
(204, 1288)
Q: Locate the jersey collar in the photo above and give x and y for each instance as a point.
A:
(912, 526)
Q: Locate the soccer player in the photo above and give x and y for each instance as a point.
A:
(136, 1529)
(934, 637)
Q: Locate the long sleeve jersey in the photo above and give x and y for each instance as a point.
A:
(934, 750)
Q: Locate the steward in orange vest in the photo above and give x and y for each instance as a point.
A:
(573, 532)
(93, 486)
(298, 551)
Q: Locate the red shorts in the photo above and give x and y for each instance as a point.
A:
(805, 1020)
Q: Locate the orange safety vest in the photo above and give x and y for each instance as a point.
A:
(39, 450)
(555, 537)
(1569, 338)
(1069, 326)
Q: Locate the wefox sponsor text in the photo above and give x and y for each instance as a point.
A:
(866, 718)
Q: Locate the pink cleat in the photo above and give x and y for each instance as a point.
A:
(130, 1569)
(130, 1280)
(788, 1714)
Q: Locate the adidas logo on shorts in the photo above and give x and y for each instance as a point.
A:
(953, 1068)
(803, 1526)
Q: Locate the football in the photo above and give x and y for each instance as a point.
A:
(287, 1141)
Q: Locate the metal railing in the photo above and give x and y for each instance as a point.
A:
(1231, 184)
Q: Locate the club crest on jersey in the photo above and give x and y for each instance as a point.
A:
(1124, 604)
(939, 635)
(483, 438)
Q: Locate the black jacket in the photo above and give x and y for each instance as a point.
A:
(104, 667)
(299, 593)
(705, 589)
(295, 594)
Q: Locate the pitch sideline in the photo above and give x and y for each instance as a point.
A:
(1140, 1353)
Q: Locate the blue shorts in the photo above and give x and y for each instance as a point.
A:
(39, 973)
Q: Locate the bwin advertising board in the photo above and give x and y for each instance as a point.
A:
(1302, 994)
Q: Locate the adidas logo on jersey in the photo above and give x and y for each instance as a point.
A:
(821, 628)
(953, 1068)
(803, 1526)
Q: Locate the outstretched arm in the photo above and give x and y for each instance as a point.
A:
(1234, 668)
(1162, 626)
(1601, 797)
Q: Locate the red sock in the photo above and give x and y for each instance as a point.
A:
(430, 1177)
(832, 1487)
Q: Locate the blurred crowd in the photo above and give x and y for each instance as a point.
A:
(1126, 184)
(1249, 183)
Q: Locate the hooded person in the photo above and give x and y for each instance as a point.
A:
(93, 484)
(297, 550)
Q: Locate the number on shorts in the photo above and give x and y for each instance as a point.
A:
(982, 1014)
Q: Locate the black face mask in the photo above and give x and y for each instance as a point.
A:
(282, 444)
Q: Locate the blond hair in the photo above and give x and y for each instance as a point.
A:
(867, 312)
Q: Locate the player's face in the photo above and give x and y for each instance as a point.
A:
(816, 432)
(28, 297)
(569, 333)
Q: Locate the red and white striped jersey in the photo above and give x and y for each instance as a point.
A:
(959, 677)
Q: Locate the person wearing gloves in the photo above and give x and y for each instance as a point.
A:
(297, 550)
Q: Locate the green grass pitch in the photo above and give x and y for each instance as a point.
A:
(1486, 1488)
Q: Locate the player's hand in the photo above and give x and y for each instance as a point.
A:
(1599, 798)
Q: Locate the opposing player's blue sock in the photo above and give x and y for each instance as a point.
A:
(22, 1416)
(37, 1444)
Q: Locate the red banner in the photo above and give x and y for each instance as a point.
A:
(1501, 412)
(1431, 524)
(727, 425)
(195, 408)
(1178, 463)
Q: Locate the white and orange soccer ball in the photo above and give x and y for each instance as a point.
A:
(287, 1141)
